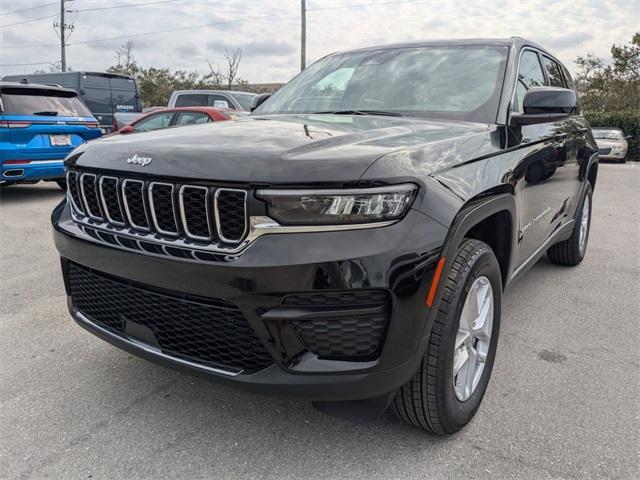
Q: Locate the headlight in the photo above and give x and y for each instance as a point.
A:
(339, 207)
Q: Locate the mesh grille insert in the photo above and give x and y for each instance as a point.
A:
(163, 210)
(91, 194)
(72, 185)
(213, 333)
(195, 211)
(134, 197)
(231, 214)
(109, 190)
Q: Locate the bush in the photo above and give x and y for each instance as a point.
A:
(626, 120)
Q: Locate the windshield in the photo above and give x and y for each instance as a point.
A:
(456, 82)
(608, 134)
(244, 99)
(44, 102)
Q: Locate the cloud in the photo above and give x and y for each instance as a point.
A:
(569, 40)
(268, 32)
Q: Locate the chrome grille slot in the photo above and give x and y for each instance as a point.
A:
(90, 195)
(162, 208)
(110, 200)
(194, 212)
(135, 204)
(169, 218)
(231, 214)
(74, 191)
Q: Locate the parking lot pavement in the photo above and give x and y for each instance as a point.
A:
(562, 403)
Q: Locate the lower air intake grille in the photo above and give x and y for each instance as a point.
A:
(344, 338)
(358, 334)
(212, 333)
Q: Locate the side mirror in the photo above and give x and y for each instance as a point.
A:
(126, 129)
(628, 137)
(220, 104)
(259, 100)
(545, 105)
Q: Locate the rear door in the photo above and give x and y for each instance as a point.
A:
(542, 190)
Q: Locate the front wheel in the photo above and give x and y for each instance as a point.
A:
(445, 393)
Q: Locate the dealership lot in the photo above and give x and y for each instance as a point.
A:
(562, 403)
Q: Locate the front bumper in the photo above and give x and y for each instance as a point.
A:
(398, 259)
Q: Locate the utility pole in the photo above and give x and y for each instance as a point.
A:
(63, 35)
(63, 54)
(303, 34)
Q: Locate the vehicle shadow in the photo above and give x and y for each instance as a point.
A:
(30, 193)
(262, 433)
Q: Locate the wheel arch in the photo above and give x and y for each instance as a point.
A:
(489, 217)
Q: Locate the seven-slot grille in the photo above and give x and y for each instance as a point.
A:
(196, 212)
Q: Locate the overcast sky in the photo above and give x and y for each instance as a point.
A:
(268, 31)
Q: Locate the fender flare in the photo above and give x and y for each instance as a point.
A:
(472, 213)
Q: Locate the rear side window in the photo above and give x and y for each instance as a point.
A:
(153, 122)
(218, 101)
(553, 72)
(191, 118)
(42, 102)
(95, 81)
(192, 100)
(529, 75)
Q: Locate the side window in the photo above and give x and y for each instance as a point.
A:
(191, 118)
(191, 100)
(219, 101)
(154, 122)
(529, 75)
(553, 72)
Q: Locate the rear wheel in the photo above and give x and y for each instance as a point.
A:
(446, 392)
(571, 251)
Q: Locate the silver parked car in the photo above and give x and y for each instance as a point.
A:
(239, 101)
(612, 144)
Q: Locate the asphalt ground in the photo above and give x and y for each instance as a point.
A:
(563, 401)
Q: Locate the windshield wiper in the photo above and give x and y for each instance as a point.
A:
(359, 112)
(47, 113)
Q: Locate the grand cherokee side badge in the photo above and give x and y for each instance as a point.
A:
(137, 160)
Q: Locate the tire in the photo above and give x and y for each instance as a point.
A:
(430, 399)
(571, 251)
(62, 183)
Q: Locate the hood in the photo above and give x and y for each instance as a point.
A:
(270, 149)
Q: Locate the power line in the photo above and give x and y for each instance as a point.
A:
(30, 8)
(28, 21)
(362, 5)
(133, 35)
(26, 64)
(125, 6)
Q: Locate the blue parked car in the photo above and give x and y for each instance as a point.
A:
(39, 126)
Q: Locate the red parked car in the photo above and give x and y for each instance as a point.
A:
(175, 117)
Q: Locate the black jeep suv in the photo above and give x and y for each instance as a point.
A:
(347, 243)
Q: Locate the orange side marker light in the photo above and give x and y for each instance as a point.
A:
(435, 281)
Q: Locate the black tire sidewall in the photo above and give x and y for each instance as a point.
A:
(576, 229)
(459, 413)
